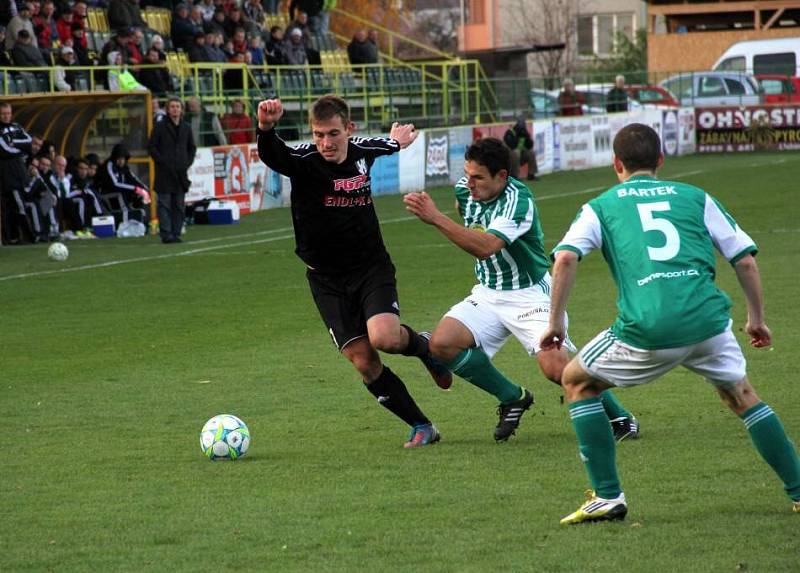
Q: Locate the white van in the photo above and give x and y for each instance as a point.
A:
(778, 56)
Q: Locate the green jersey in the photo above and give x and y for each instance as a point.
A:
(658, 238)
(513, 217)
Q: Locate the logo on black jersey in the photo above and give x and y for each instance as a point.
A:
(361, 165)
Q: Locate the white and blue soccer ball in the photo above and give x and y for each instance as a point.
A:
(57, 252)
(224, 437)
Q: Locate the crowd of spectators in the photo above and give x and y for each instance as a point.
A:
(54, 34)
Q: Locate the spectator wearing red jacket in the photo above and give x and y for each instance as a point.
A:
(237, 125)
(64, 24)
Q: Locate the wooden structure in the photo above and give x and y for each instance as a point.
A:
(689, 36)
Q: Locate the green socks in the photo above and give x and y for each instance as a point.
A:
(770, 440)
(475, 367)
(596, 445)
(613, 407)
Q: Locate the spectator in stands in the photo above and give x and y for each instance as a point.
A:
(274, 47)
(64, 24)
(66, 79)
(8, 9)
(295, 49)
(270, 6)
(80, 13)
(300, 21)
(256, 49)
(117, 43)
(22, 21)
(519, 141)
(157, 43)
(254, 13)
(135, 46)
(617, 97)
(325, 16)
(156, 79)
(238, 126)
(120, 188)
(206, 127)
(198, 52)
(5, 60)
(44, 25)
(82, 55)
(239, 41)
(173, 150)
(207, 7)
(360, 50)
(217, 22)
(372, 36)
(120, 79)
(214, 43)
(196, 17)
(234, 21)
(125, 14)
(312, 9)
(25, 54)
(183, 29)
(570, 101)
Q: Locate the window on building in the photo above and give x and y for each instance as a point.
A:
(597, 33)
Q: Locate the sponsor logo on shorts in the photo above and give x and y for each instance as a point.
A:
(534, 312)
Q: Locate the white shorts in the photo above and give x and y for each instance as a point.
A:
(492, 316)
(719, 359)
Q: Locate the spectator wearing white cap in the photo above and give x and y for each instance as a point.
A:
(65, 79)
(295, 49)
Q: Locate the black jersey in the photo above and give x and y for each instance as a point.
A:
(335, 225)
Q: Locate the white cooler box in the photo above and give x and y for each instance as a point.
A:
(223, 212)
(104, 226)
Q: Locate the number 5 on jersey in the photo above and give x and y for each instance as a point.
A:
(650, 223)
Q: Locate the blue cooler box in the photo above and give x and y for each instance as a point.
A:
(223, 212)
(103, 226)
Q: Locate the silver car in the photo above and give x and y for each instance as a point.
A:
(714, 88)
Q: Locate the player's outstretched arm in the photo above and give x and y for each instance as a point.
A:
(564, 271)
(404, 134)
(269, 112)
(476, 243)
(750, 280)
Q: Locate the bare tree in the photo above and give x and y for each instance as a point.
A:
(545, 23)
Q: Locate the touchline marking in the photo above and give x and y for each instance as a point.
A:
(255, 242)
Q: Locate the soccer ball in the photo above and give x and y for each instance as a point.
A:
(224, 437)
(58, 252)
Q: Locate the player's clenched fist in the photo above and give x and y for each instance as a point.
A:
(269, 112)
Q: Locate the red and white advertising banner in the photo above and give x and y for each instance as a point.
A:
(235, 173)
(747, 128)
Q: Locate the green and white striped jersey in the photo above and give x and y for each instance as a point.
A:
(513, 217)
(658, 238)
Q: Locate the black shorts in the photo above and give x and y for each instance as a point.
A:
(346, 301)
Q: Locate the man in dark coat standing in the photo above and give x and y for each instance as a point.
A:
(172, 149)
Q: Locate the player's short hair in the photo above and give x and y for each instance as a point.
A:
(328, 107)
(491, 153)
(638, 147)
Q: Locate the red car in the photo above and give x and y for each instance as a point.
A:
(652, 95)
(779, 88)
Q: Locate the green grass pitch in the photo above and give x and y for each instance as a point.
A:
(113, 360)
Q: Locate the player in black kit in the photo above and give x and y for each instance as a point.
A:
(337, 236)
